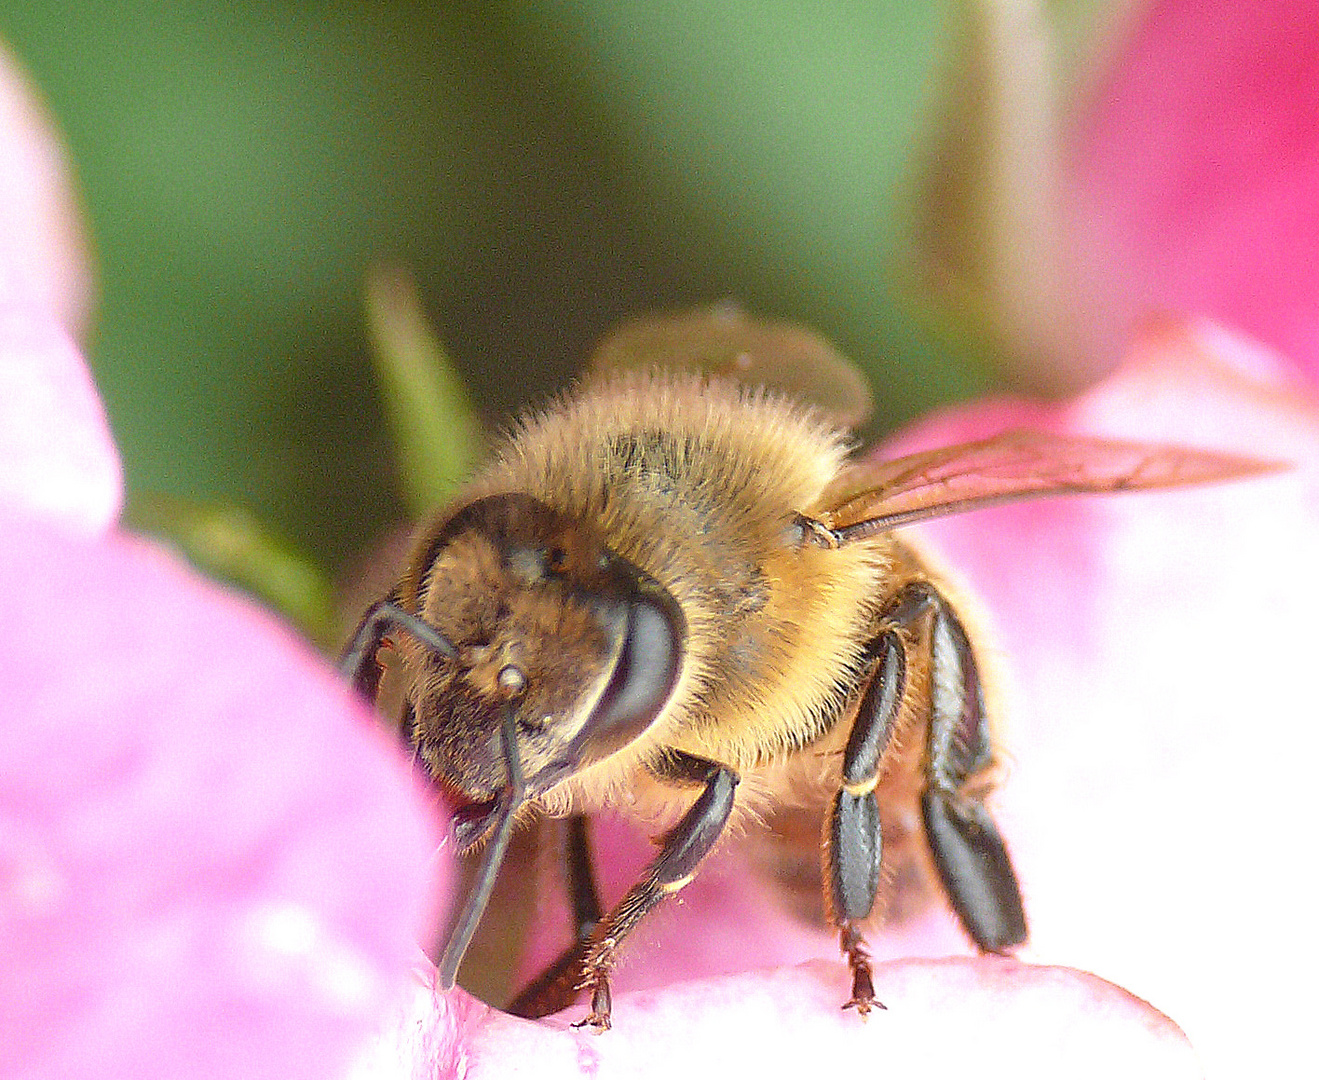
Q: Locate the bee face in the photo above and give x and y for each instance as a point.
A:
(583, 646)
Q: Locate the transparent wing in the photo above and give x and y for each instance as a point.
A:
(871, 497)
(723, 340)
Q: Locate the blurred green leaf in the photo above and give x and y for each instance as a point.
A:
(547, 168)
(784, 135)
(435, 431)
(989, 201)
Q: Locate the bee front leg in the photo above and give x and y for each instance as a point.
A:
(684, 848)
(969, 853)
(854, 843)
(555, 988)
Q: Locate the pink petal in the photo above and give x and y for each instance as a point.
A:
(212, 862)
(43, 256)
(1160, 720)
(57, 459)
(952, 1018)
(1194, 179)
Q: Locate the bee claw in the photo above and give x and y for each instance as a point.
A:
(863, 1005)
(602, 1005)
(597, 1023)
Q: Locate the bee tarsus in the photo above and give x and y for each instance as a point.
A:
(600, 1017)
(863, 985)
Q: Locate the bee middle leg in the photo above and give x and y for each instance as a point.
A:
(854, 842)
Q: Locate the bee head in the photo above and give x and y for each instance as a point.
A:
(581, 644)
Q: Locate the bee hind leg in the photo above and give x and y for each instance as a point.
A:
(969, 853)
(854, 842)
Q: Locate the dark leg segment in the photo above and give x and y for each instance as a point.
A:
(968, 851)
(582, 890)
(684, 848)
(854, 848)
(976, 870)
(555, 988)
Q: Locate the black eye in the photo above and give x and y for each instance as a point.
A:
(642, 680)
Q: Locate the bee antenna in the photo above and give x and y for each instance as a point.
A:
(358, 662)
(513, 798)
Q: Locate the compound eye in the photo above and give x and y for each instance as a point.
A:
(642, 679)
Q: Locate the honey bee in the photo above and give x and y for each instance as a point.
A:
(676, 592)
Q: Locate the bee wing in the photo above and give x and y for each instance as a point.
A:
(872, 497)
(723, 340)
